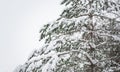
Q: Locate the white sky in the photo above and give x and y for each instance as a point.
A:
(20, 22)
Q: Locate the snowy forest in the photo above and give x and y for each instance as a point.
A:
(85, 38)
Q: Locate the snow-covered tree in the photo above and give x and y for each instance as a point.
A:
(86, 38)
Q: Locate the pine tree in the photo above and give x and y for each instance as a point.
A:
(86, 38)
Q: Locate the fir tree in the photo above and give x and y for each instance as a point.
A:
(86, 38)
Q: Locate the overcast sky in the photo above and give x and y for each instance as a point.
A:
(20, 22)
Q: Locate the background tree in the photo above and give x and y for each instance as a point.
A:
(86, 38)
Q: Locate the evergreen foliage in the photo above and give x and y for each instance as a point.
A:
(86, 38)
